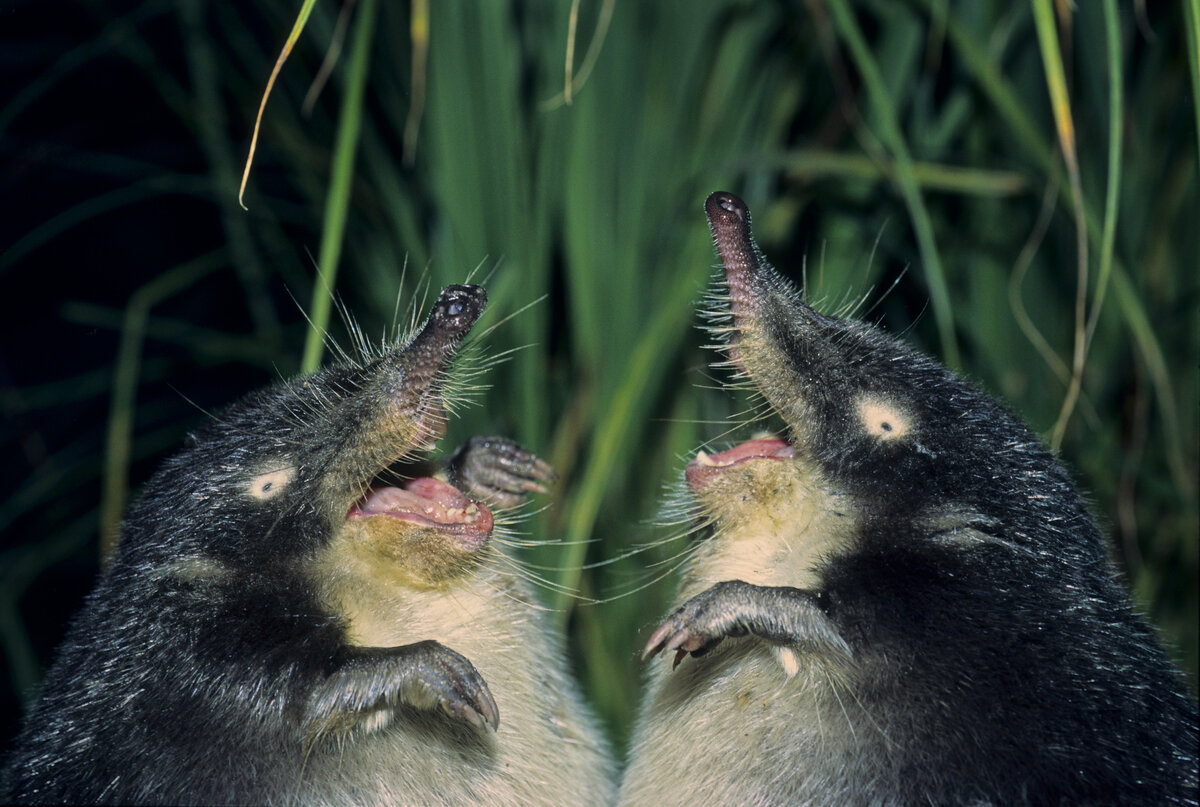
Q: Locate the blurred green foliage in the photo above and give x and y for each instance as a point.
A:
(900, 155)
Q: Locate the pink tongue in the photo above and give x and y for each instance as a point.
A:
(426, 500)
(706, 467)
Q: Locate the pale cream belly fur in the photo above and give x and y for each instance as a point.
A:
(749, 723)
(547, 750)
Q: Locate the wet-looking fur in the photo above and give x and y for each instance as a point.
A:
(902, 600)
(292, 616)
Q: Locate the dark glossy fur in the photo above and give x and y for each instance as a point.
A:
(967, 642)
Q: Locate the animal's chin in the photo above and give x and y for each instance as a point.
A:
(705, 468)
(429, 503)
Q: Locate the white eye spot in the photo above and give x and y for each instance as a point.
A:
(266, 485)
(787, 659)
(881, 420)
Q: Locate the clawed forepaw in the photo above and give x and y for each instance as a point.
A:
(461, 691)
(692, 629)
(499, 471)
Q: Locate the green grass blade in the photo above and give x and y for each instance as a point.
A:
(337, 203)
(118, 447)
(1043, 17)
(894, 140)
(1004, 99)
(1116, 116)
(1191, 13)
(622, 420)
(297, 28)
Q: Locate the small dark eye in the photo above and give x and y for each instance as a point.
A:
(267, 486)
(887, 427)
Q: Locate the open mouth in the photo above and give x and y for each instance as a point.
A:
(432, 503)
(416, 370)
(702, 470)
(729, 220)
(422, 499)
